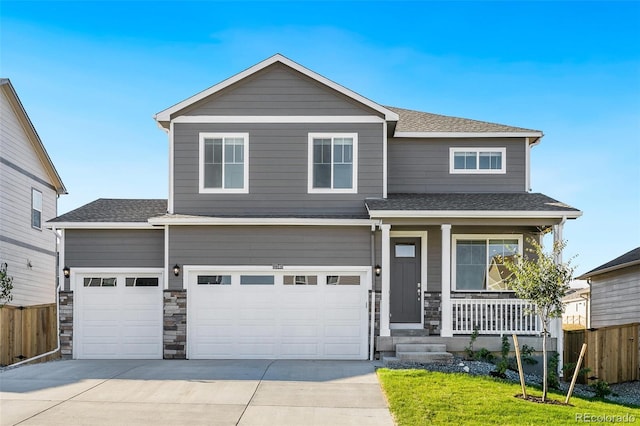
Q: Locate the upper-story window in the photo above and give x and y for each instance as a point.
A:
(224, 162)
(333, 163)
(36, 209)
(477, 160)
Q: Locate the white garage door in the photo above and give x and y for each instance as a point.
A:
(301, 314)
(118, 315)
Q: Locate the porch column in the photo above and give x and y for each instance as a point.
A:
(446, 329)
(555, 328)
(386, 281)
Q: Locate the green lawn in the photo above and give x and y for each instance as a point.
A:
(419, 397)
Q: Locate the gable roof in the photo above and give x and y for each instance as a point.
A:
(630, 258)
(113, 210)
(497, 205)
(163, 117)
(11, 94)
(423, 124)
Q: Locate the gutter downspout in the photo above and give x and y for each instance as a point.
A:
(372, 307)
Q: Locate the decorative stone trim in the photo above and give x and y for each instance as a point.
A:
(432, 312)
(174, 338)
(66, 323)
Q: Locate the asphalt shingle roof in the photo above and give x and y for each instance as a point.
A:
(417, 121)
(116, 210)
(630, 257)
(503, 201)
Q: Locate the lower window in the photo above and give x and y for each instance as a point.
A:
(479, 262)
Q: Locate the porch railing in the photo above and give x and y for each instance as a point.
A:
(494, 316)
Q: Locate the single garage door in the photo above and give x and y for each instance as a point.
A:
(118, 315)
(301, 314)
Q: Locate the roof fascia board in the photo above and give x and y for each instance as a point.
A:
(165, 116)
(609, 269)
(506, 214)
(33, 136)
(259, 221)
(467, 134)
(99, 225)
(277, 119)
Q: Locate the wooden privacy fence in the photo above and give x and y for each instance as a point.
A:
(612, 352)
(26, 332)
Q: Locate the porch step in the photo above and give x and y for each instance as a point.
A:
(425, 357)
(421, 347)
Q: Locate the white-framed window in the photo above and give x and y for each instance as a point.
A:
(224, 163)
(333, 163)
(478, 261)
(477, 160)
(36, 208)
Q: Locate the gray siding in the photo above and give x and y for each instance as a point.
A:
(615, 297)
(20, 244)
(278, 90)
(114, 248)
(422, 165)
(278, 159)
(268, 245)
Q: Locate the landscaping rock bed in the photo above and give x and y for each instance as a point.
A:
(626, 393)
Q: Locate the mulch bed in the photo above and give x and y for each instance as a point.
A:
(538, 399)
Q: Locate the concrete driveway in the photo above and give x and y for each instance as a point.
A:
(212, 392)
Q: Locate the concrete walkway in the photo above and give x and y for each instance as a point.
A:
(212, 392)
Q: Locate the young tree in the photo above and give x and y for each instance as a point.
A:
(6, 285)
(538, 278)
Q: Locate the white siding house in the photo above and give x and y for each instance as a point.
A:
(29, 190)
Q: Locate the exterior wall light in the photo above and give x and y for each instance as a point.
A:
(66, 272)
(378, 270)
(176, 270)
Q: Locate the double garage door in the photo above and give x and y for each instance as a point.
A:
(312, 314)
(231, 313)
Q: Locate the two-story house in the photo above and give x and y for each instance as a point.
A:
(29, 190)
(305, 221)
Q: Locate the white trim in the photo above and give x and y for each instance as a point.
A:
(486, 237)
(423, 235)
(35, 191)
(527, 165)
(446, 324)
(270, 269)
(170, 208)
(205, 221)
(385, 329)
(485, 214)
(166, 258)
(385, 160)
(467, 134)
(211, 135)
(279, 119)
(354, 165)
(100, 225)
(166, 114)
(477, 170)
(61, 260)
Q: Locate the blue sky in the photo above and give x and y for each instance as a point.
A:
(92, 74)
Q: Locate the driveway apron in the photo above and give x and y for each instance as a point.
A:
(207, 392)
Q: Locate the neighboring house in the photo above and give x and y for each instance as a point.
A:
(29, 190)
(306, 221)
(576, 310)
(615, 291)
